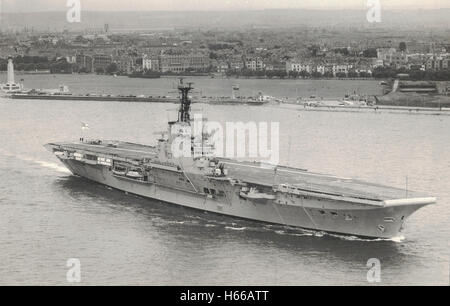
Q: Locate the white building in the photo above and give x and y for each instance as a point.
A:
(254, 63)
(340, 69)
(222, 67)
(71, 59)
(298, 67)
(392, 57)
(149, 63)
(377, 63)
(321, 69)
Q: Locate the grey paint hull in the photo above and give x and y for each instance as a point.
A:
(290, 210)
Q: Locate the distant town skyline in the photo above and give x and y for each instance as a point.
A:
(21, 6)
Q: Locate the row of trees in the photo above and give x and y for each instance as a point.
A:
(293, 74)
(378, 73)
(32, 63)
(113, 68)
(38, 63)
(29, 59)
(414, 74)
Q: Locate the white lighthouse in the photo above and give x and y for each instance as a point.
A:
(10, 79)
(11, 86)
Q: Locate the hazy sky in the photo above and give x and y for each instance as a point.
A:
(149, 5)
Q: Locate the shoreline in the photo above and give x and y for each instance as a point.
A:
(215, 76)
(200, 75)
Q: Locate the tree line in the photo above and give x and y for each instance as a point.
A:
(33, 63)
(293, 74)
(414, 74)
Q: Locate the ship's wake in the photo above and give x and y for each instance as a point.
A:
(45, 164)
(278, 230)
(52, 166)
(397, 239)
(320, 234)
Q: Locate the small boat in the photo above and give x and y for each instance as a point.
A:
(119, 170)
(135, 174)
(254, 195)
(62, 154)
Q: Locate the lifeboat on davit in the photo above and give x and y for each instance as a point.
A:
(254, 195)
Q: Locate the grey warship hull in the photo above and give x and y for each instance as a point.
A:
(287, 196)
(199, 179)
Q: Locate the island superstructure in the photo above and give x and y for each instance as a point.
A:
(280, 195)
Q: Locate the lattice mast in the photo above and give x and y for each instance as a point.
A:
(184, 113)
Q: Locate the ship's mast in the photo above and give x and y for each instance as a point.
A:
(184, 113)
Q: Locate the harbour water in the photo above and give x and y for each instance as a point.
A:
(48, 216)
(122, 85)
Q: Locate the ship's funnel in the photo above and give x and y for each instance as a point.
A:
(10, 78)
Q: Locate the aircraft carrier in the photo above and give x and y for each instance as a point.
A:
(280, 195)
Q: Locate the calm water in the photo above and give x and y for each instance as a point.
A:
(48, 216)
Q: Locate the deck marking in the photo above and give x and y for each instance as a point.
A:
(289, 171)
(111, 149)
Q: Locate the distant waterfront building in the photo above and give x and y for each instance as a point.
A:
(222, 67)
(363, 71)
(321, 69)
(377, 63)
(275, 66)
(399, 59)
(149, 63)
(392, 57)
(71, 59)
(236, 63)
(181, 63)
(338, 69)
(124, 63)
(438, 62)
(298, 66)
(416, 62)
(84, 62)
(385, 54)
(254, 63)
(101, 61)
